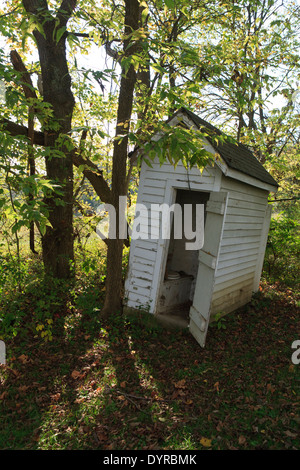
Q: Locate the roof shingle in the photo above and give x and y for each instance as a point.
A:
(236, 156)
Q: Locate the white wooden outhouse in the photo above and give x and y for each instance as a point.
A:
(190, 287)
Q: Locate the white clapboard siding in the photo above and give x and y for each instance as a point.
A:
(239, 249)
(154, 190)
(151, 199)
(136, 300)
(234, 276)
(246, 211)
(232, 294)
(244, 219)
(242, 279)
(231, 301)
(228, 256)
(236, 260)
(142, 275)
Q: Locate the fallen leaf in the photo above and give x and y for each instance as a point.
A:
(75, 374)
(101, 436)
(23, 358)
(180, 384)
(55, 397)
(270, 388)
(242, 440)
(205, 442)
(123, 384)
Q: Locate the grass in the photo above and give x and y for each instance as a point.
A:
(127, 383)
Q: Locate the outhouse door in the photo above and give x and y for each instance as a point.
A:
(208, 262)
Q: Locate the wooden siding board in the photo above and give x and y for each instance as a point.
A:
(236, 261)
(243, 218)
(234, 267)
(230, 184)
(241, 280)
(136, 300)
(231, 305)
(238, 254)
(227, 296)
(245, 211)
(141, 275)
(240, 234)
(237, 248)
(154, 190)
(233, 275)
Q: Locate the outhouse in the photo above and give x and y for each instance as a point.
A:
(191, 286)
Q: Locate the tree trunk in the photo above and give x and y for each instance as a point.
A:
(57, 242)
(112, 301)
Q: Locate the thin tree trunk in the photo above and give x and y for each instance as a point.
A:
(112, 301)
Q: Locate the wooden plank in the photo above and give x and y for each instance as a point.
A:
(180, 169)
(143, 265)
(232, 282)
(240, 301)
(137, 300)
(243, 218)
(144, 254)
(237, 234)
(146, 276)
(207, 259)
(240, 187)
(238, 203)
(238, 247)
(146, 244)
(215, 207)
(236, 260)
(233, 268)
(152, 199)
(262, 247)
(232, 276)
(242, 226)
(155, 183)
(224, 290)
(154, 190)
(227, 297)
(201, 308)
(143, 291)
(238, 254)
(145, 222)
(247, 197)
(245, 212)
(137, 282)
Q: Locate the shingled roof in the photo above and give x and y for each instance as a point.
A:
(236, 155)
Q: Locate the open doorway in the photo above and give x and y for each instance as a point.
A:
(177, 289)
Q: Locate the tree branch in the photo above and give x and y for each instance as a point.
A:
(19, 130)
(65, 11)
(26, 82)
(34, 6)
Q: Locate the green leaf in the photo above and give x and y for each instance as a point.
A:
(170, 4)
(60, 33)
